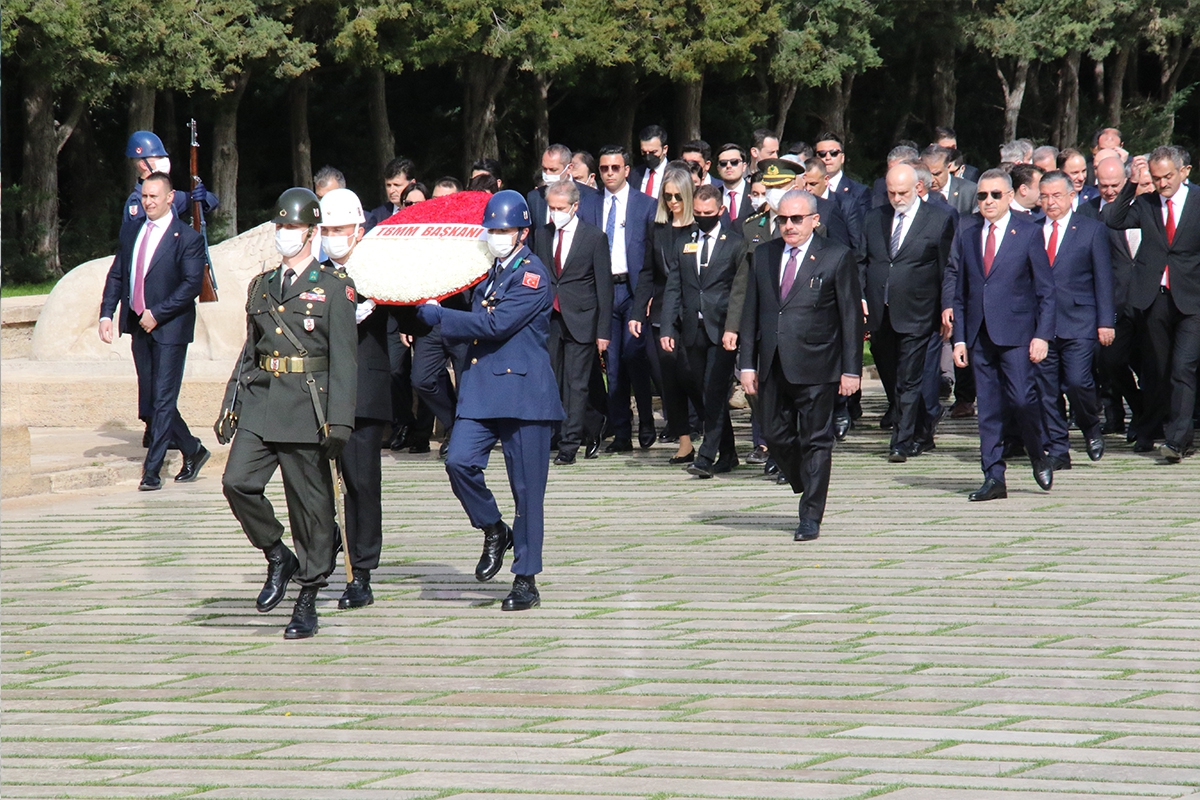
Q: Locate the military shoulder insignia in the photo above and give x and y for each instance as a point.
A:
(531, 279)
(350, 293)
(133, 211)
(314, 275)
(341, 275)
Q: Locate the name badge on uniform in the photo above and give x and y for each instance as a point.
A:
(691, 248)
(309, 324)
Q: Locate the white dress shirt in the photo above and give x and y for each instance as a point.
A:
(834, 181)
(620, 265)
(1048, 229)
(568, 236)
(1001, 226)
(906, 223)
(741, 190)
(154, 229)
(658, 173)
(1177, 201)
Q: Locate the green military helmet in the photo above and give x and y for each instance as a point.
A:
(297, 205)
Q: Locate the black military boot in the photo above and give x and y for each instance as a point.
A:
(358, 591)
(524, 595)
(304, 615)
(281, 566)
(496, 540)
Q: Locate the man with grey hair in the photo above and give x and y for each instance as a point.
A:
(1016, 152)
(899, 154)
(327, 179)
(576, 255)
(556, 166)
(1045, 158)
(1165, 293)
(801, 347)
(956, 191)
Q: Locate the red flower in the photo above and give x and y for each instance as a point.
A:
(461, 207)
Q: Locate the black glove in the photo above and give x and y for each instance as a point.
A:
(335, 441)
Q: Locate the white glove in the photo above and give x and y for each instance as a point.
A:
(363, 310)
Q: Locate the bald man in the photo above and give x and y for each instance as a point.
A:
(906, 245)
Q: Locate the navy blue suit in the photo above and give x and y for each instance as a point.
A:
(997, 315)
(1082, 271)
(133, 214)
(625, 361)
(507, 393)
(170, 288)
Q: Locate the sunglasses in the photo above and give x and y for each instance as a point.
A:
(408, 203)
(827, 153)
(996, 195)
(732, 162)
(611, 167)
(795, 219)
(678, 198)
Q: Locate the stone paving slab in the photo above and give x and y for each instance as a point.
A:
(924, 648)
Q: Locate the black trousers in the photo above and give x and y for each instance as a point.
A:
(706, 369)
(670, 382)
(900, 359)
(1115, 366)
(573, 363)
(1172, 357)
(160, 368)
(797, 423)
(431, 357)
(363, 475)
(400, 360)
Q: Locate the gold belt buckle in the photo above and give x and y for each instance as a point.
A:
(273, 364)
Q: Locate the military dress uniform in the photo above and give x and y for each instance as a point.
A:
(278, 423)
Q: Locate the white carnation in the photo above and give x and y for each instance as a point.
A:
(408, 264)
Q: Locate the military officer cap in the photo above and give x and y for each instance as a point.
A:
(297, 205)
(776, 172)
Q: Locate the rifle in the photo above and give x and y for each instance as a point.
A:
(208, 286)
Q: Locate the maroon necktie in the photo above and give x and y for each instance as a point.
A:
(989, 249)
(789, 275)
(733, 205)
(1052, 245)
(558, 266)
(1170, 241)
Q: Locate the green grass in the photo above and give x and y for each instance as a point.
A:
(27, 289)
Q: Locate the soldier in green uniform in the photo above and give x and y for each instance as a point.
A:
(293, 393)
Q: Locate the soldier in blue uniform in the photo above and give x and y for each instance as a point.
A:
(508, 394)
(149, 155)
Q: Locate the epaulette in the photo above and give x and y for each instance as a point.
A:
(257, 285)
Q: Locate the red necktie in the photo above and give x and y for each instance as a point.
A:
(989, 250)
(650, 184)
(1052, 246)
(733, 205)
(139, 268)
(558, 266)
(1170, 240)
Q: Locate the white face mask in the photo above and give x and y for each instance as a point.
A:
(338, 247)
(774, 196)
(289, 241)
(561, 218)
(501, 245)
(162, 165)
(757, 201)
(550, 178)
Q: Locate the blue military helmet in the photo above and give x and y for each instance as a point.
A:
(144, 144)
(506, 209)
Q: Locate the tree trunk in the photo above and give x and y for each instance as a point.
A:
(44, 138)
(541, 114)
(383, 143)
(1014, 95)
(688, 95)
(905, 112)
(302, 172)
(786, 97)
(224, 222)
(141, 118)
(945, 88)
(1173, 63)
(1116, 86)
(1099, 84)
(839, 102)
(1069, 100)
(483, 78)
(626, 112)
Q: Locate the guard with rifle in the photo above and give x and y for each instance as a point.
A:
(291, 403)
(149, 155)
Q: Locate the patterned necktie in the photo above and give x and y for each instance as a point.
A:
(789, 274)
(610, 225)
(896, 229)
(1052, 245)
(138, 303)
(989, 250)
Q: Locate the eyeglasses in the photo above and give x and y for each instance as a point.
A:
(671, 196)
(795, 219)
(732, 162)
(611, 167)
(828, 153)
(996, 195)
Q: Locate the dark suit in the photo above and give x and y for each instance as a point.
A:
(378, 215)
(1034, 214)
(903, 293)
(970, 174)
(1088, 193)
(854, 201)
(581, 313)
(589, 198)
(1116, 364)
(801, 345)
(961, 194)
(171, 284)
(625, 360)
(1169, 318)
(743, 210)
(702, 301)
(1083, 302)
(997, 315)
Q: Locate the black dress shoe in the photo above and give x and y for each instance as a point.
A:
(1095, 448)
(1112, 426)
(1058, 463)
(647, 434)
(399, 438)
(281, 566)
(991, 489)
(620, 446)
(192, 464)
(841, 426)
(1043, 473)
(898, 455)
(304, 615)
(497, 539)
(564, 459)
(920, 447)
(1170, 453)
(445, 448)
(758, 455)
(771, 467)
(524, 595)
(807, 530)
(724, 465)
(781, 479)
(358, 591)
(1013, 450)
(150, 483)
(1143, 446)
(593, 448)
(888, 420)
(666, 438)
(419, 446)
(686, 458)
(701, 468)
